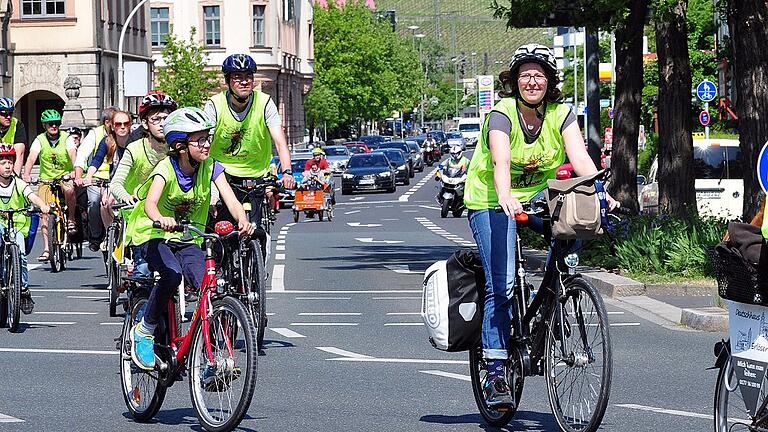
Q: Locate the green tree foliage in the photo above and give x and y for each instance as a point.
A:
(184, 77)
(321, 106)
(369, 69)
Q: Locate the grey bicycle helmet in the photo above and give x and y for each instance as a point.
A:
(534, 53)
(185, 121)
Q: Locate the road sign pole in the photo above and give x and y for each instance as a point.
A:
(706, 128)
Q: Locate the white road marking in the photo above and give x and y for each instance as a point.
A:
(87, 297)
(278, 273)
(664, 411)
(318, 324)
(270, 314)
(357, 199)
(403, 324)
(352, 292)
(385, 206)
(401, 360)
(8, 419)
(280, 257)
(396, 298)
(352, 212)
(404, 197)
(371, 240)
(37, 297)
(63, 313)
(390, 220)
(430, 207)
(280, 247)
(281, 237)
(284, 332)
(281, 242)
(111, 324)
(448, 375)
(65, 290)
(403, 313)
(402, 269)
(330, 314)
(343, 353)
(49, 322)
(58, 351)
(362, 225)
(624, 324)
(337, 189)
(323, 298)
(290, 224)
(410, 211)
(33, 266)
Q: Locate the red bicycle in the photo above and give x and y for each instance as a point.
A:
(219, 349)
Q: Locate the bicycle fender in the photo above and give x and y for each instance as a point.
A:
(722, 353)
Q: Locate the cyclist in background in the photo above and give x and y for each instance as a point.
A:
(13, 132)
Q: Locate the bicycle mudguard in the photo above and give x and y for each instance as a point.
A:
(722, 352)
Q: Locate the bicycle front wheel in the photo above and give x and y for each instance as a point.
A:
(14, 286)
(113, 279)
(253, 278)
(55, 242)
(730, 408)
(222, 389)
(579, 363)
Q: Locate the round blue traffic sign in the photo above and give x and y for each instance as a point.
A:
(706, 91)
(704, 118)
(762, 168)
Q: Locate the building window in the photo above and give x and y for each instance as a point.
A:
(258, 25)
(42, 8)
(288, 11)
(160, 25)
(212, 15)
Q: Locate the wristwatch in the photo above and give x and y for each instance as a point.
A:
(288, 171)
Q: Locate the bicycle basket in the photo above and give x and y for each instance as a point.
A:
(737, 280)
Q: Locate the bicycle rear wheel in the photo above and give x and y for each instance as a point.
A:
(142, 391)
(478, 371)
(579, 363)
(256, 288)
(14, 287)
(730, 408)
(222, 391)
(113, 278)
(55, 241)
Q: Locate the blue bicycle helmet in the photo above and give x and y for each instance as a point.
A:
(238, 63)
(6, 104)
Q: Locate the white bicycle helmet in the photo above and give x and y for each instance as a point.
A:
(534, 53)
(456, 151)
(185, 121)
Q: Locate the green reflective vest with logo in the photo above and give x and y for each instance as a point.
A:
(531, 165)
(10, 134)
(174, 202)
(243, 148)
(54, 161)
(103, 171)
(144, 159)
(21, 221)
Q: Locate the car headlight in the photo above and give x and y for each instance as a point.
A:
(402, 167)
(384, 174)
(348, 176)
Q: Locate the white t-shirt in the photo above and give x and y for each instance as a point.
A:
(87, 146)
(7, 191)
(36, 145)
(271, 115)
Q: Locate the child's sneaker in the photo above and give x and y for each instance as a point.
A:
(142, 349)
(27, 304)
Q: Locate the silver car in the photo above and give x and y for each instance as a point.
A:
(455, 138)
(337, 157)
(418, 156)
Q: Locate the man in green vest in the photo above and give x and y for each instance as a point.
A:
(85, 153)
(13, 132)
(247, 124)
(56, 153)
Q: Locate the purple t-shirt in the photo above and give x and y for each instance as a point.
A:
(186, 182)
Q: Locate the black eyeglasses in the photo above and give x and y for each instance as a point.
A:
(6, 113)
(201, 142)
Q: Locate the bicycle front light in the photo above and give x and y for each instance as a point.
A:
(572, 260)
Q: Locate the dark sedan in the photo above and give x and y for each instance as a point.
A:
(367, 172)
(402, 145)
(399, 162)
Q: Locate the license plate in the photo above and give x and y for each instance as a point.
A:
(367, 181)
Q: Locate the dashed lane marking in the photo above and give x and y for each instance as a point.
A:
(426, 223)
(371, 240)
(665, 411)
(57, 351)
(324, 324)
(278, 273)
(415, 188)
(111, 323)
(63, 313)
(396, 298)
(623, 324)
(403, 324)
(280, 247)
(430, 207)
(448, 375)
(284, 332)
(352, 212)
(343, 353)
(330, 314)
(8, 419)
(357, 199)
(363, 225)
(279, 257)
(355, 357)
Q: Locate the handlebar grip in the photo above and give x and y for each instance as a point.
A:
(179, 227)
(522, 218)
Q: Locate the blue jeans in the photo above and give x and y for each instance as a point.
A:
(140, 266)
(495, 235)
(19, 240)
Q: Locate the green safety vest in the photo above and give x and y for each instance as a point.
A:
(103, 171)
(192, 205)
(250, 155)
(531, 165)
(10, 134)
(54, 161)
(144, 158)
(17, 201)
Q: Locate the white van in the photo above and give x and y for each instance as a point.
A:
(470, 129)
(719, 182)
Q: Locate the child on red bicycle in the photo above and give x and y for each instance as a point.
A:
(178, 188)
(16, 194)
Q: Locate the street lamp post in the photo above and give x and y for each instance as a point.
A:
(413, 29)
(421, 63)
(120, 69)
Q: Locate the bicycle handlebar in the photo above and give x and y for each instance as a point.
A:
(122, 206)
(53, 182)
(30, 210)
(187, 226)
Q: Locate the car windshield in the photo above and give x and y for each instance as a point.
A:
(453, 135)
(414, 147)
(356, 149)
(716, 162)
(368, 160)
(396, 145)
(336, 151)
(297, 165)
(395, 156)
(469, 127)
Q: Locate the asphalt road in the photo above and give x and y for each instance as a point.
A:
(345, 346)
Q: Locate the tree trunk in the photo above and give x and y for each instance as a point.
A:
(749, 38)
(629, 89)
(677, 194)
(592, 47)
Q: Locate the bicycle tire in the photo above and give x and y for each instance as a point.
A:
(477, 369)
(14, 287)
(4, 297)
(577, 289)
(253, 277)
(127, 368)
(55, 253)
(220, 381)
(725, 413)
(113, 279)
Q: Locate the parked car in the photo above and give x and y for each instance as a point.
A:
(399, 162)
(402, 145)
(297, 165)
(305, 152)
(470, 129)
(719, 181)
(418, 157)
(337, 157)
(452, 139)
(356, 147)
(367, 172)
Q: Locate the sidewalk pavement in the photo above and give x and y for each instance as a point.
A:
(676, 306)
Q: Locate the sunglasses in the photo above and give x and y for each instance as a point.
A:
(54, 124)
(6, 113)
(118, 125)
